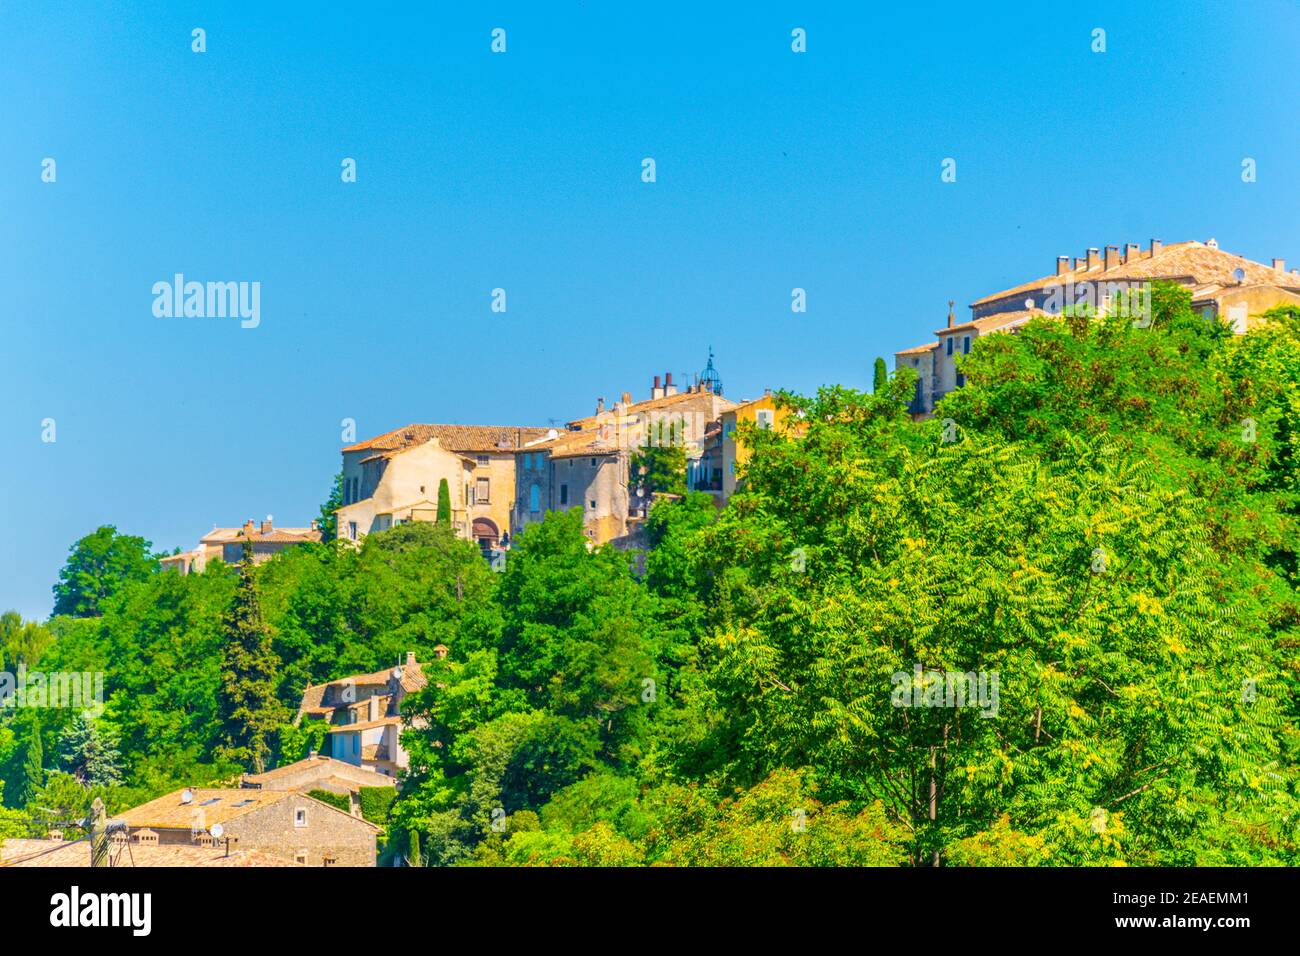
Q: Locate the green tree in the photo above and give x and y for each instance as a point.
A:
(249, 667)
(98, 566)
(33, 767)
(659, 468)
(880, 376)
(444, 502)
(88, 750)
(328, 520)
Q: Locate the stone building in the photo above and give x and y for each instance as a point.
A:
(285, 824)
(1222, 285)
(227, 544)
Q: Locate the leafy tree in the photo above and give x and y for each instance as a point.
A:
(33, 768)
(248, 675)
(879, 376)
(98, 566)
(21, 642)
(328, 520)
(444, 502)
(88, 750)
(659, 468)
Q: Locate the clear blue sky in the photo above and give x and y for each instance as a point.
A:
(522, 171)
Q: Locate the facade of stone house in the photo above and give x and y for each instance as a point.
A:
(1222, 285)
(383, 484)
(285, 824)
(227, 544)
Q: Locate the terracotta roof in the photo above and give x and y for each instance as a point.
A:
(365, 725)
(990, 323)
(279, 536)
(919, 349)
(324, 764)
(1193, 261)
(457, 438)
(217, 805)
(649, 404)
(579, 443)
(72, 853)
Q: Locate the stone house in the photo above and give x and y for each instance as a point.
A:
(227, 544)
(320, 772)
(394, 478)
(285, 824)
(1222, 285)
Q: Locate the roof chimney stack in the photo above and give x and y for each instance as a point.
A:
(951, 321)
(1112, 257)
(1156, 246)
(1094, 258)
(1132, 252)
(1279, 265)
(1062, 265)
(656, 390)
(600, 404)
(669, 387)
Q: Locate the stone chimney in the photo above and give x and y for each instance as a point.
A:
(1132, 252)
(1279, 265)
(656, 390)
(1062, 265)
(951, 320)
(410, 658)
(266, 525)
(669, 387)
(1156, 246)
(1112, 257)
(1079, 263)
(1094, 258)
(600, 404)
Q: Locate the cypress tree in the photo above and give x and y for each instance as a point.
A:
(444, 502)
(33, 771)
(248, 669)
(881, 377)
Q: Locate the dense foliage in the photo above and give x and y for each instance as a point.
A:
(1056, 624)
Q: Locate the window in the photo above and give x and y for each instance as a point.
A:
(481, 491)
(534, 498)
(330, 861)
(352, 530)
(482, 459)
(593, 463)
(764, 417)
(961, 379)
(300, 857)
(300, 817)
(592, 504)
(948, 344)
(965, 345)
(564, 494)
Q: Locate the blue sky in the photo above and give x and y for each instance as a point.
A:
(522, 171)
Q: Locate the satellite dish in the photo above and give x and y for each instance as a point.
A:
(217, 830)
(1029, 304)
(187, 795)
(397, 673)
(1239, 275)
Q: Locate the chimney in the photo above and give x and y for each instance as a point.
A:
(1112, 257)
(1079, 263)
(627, 398)
(656, 391)
(669, 387)
(311, 755)
(1062, 265)
(249, 525)
(266, 525)
(410, 658)
(315, 524)
(1279, 265)
(600, 404)
(372, 707)
(440, 651)
(1156, 246)
(951, 303)
(1132, 252)
(1094, 258)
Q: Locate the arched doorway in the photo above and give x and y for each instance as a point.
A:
(485, 532)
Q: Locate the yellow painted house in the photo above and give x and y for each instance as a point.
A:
(763, 413)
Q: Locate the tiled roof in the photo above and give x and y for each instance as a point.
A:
(919, 349)
(58, 853)
(1194, 261)
(456, 438)
(990, 323)
(365, 725)
(577, 444)
(217, 805)
(279, 536)
(650, 404)
(325, 765)
(313, 698)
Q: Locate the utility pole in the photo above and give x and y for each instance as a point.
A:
(98, 834)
